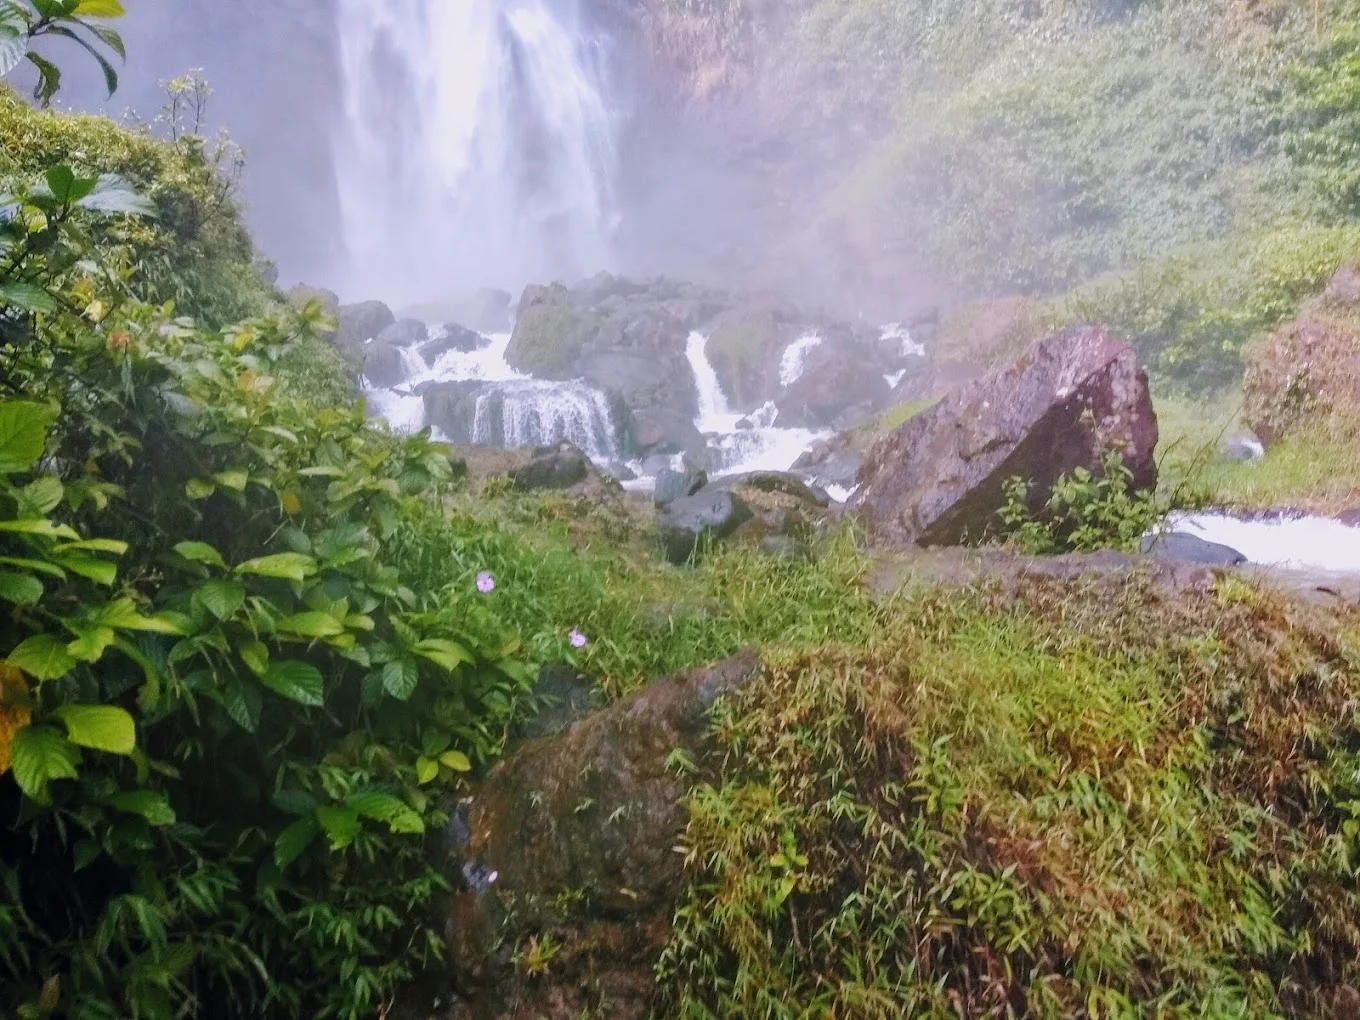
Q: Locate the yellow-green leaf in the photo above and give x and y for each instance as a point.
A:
(456, 760)
(99, 727)
(427, 769)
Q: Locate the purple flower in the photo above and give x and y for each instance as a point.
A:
(486, 584)
(578, 640)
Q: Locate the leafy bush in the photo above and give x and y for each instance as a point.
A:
(221, 694)
(1083, 512)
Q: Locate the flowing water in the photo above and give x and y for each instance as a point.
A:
(1294, 542)
(478, 146)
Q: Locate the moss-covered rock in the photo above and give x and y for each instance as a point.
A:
(744, 346)
(551, 333)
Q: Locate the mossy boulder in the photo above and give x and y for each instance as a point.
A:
(1306, 375)
(551, 333)
(745, 344)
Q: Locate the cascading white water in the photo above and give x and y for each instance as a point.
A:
(794, 362)
(477, 148)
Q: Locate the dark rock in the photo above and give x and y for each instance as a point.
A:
(665, 430)
(559, 468)
(453, 338)
(831, 461)
(775, 481)
(1177, 545)
(745, 344)
(595, 810)
(672, 485)
(1073, 398)
(838, 383)
(451, 407)
(405, 333)
(380, 364)
(561, 697)
(363, 321)
(620, 472)
(709, 514)
(302, 294)
(551, 333)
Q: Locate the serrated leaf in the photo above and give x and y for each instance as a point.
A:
(433, 743)
(427, 770)
(23, 435)
(295, 802)
(200, 552)
(400, 677)
(20, 589)
(456, 760)
(123, 614)
(26, 297)
(294, 840)
(99, 727)
(150, 804)
(97, 570)
(313, 625)
(42, 657)
(13, 39)
(384, 807)
(243, 703)
(341, 825)
(49, 78)
(40, 497)
(221, 598)
(90, 643)
(199, 488)
(296, 681)
(41, 755)
(285, 566)
(255, 655)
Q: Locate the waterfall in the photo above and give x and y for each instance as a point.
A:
(477, 146)
(534, 413)
(794, 362)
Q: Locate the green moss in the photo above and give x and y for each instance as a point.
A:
(742, 346)
(550, 333)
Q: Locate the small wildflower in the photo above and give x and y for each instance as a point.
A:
(578, 640)
(486, 584)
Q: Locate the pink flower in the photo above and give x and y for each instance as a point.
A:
(486, 584)
(578, 640)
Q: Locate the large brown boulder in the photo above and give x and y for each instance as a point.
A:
(940, 478)
(564, 858)
(1308, 371)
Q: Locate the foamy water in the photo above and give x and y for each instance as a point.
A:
(1303, 542)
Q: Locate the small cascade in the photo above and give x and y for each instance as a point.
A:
(794, 362)
(732, 449)
(531, 413)
(897, 333)
(1293, 542)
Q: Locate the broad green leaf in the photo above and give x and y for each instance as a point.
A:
(66, 187)
(456, 760)
(311, 625)
(295, 802)
(255, 654)
(27, 297)
(97, 570)
(49, 77)
(294, 840)
(99, 9)
(243, 703)
(109, 38)
(384, 807)
(20, 589)
(42, 657)
(427, 770)
(235, 480)
(448, 654)
(296, 681)
(40, 755)
(23, 435)
(123, 614)
(400, 677)
(433, 743)
(90, 643)
(13, 37)
(221, 598)
(200, 552)
(41, 566)
(105, 545)
(286, 566)
(199, 488)
(114, 195)
(341, 825)
(100, 727)
(39, 526)
(40, 496)
(324, 471)
(150, 804)
(110, 72)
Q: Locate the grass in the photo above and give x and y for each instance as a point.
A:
(1092, 800)
(1316, 470)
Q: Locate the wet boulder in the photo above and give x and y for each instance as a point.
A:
(380, 364)
(451, 407)
(453, 337)
(573, 836)
(672, 484)
(363, 321)
(840, 385)
(560, 467)
(551, 333)
(1176, 545)
(1067, 403)
(712, 513)
(404, 333)
(303, 294)
(834, 461)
